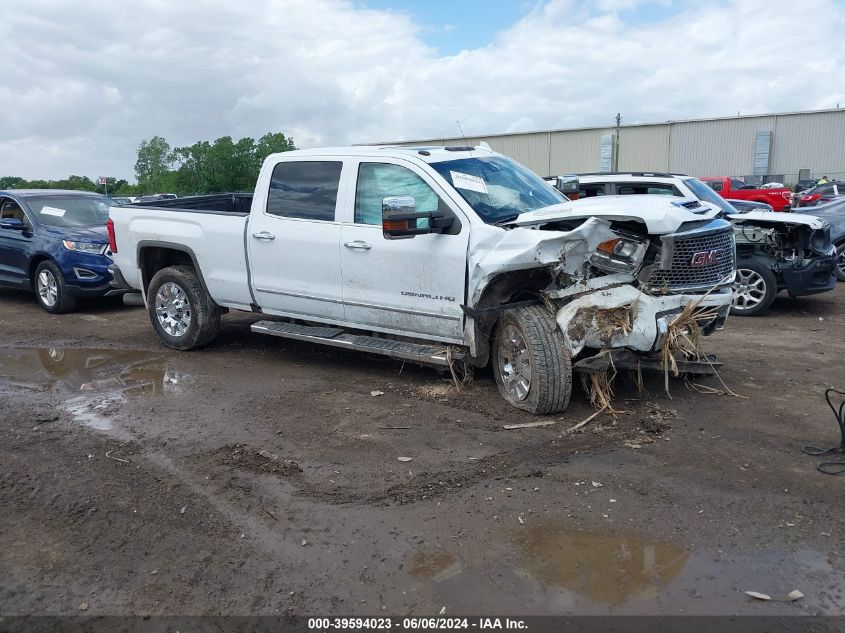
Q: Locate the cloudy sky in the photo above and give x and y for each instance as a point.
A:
(83, 82)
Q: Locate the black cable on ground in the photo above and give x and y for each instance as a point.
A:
(836, 467)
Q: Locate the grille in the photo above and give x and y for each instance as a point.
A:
(683, 274)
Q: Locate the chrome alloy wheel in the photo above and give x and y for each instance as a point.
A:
(48, 288)
(173, 309)
(514, 363)
(749, 289)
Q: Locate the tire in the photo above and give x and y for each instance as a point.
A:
(754, 290)
(182, 313)
(51, 289)
(839, 267)
(530, 336)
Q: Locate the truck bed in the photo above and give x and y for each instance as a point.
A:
(234, 203)
(211, 229)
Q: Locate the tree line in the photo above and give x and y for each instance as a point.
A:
(204, 167)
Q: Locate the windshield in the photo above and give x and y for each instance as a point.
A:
(706, 194)
(70, 210)
(498, 188)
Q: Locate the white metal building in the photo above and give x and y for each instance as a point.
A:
(773, 147)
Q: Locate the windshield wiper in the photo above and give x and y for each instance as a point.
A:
(505, 220)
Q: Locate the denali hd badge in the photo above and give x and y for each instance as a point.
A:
(704, 258)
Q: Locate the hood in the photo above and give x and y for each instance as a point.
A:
(769, 217)
(660, 214)
(96, 234)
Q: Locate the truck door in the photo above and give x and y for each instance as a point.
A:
(406, 285)
(14, 245)
(293, 239)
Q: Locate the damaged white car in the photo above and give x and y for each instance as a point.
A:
(438, 255)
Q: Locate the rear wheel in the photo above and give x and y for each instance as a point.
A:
(51, 289)
(531, 362)
(182, 313)
(754, 290)
(839, 268)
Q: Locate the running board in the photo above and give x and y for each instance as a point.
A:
(337, 337)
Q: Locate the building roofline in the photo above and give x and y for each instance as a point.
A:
(438, 139)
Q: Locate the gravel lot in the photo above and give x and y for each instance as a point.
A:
(260, 476)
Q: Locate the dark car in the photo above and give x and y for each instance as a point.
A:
(803, 185)
(55, 243)
(821, 194)
(834, 214)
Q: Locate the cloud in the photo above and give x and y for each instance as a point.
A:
(83, 84)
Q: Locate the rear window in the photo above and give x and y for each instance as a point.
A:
(642, 188)
(304, 189)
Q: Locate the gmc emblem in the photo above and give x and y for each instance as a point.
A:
(704, 258)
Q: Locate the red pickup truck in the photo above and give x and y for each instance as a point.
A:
(735, 189)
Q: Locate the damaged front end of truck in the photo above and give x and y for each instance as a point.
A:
(630, 284)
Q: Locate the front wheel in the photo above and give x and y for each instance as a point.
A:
(839, 268)
(182, 313)
(531, 361)
(51, 289)
(754, 290)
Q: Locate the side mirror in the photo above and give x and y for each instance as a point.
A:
(13, 224)
(399, 218)
(568, 184)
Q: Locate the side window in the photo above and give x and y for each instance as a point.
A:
(11, 209)
(306, 189)
(716, 185)
(380, 180)
(591, 190)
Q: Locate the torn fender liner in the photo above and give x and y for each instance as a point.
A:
(626, 359)
(594, 319)
(504, 251)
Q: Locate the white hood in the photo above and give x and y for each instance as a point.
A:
(660, 214)
(771, 217)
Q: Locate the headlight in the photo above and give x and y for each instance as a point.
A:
(621, 254)
(85, 247)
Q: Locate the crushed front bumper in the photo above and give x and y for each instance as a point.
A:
(812, 277)
(623, 317)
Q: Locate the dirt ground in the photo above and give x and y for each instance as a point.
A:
(260, 476)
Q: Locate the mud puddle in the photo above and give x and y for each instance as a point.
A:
(606, 568)
(557, 569)
(91, 383)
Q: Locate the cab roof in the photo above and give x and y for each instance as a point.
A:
(426, 153)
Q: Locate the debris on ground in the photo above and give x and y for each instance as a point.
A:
(655, 419)
(404, 459)
(596, 484)
(83, 606)
(529, 425)
(262, 461)
(46, 417)
(376, 393)
(792, 596)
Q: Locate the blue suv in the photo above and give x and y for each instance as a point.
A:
(55, 243)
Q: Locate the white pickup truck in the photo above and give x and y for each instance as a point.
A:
(437, 255)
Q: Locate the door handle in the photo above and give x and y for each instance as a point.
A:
(358, 245)
(264, 235)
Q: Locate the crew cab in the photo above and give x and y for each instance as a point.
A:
(779, 197)
(54, 242)
(775, 251)
(439, 255)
